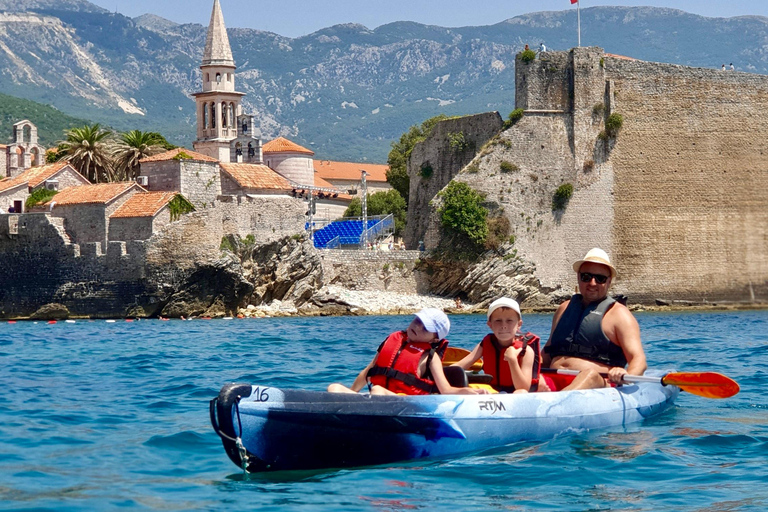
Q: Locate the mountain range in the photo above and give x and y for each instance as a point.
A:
(345, 91)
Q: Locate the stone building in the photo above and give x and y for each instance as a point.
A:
(292, 161)
(346, 176)
(142, 215)
(57, 176)
(195, 175)
(24, 152)
(86, 209)
(219, 120)
(678, 195)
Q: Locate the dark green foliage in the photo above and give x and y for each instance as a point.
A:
(50, 122)
(528, 56)
(381, 203)
(426, 170)
(182, 156)
(514, 117)
(397, 174)
(598, 109)
(39, 196)
(226, 244)
(463, 217)
(161, 141)
(179, 206)
(506, 166)
(562, 196)
(613, 124)
(459, 143)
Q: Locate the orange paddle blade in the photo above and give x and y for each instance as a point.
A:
(454, 354)
(706, 384)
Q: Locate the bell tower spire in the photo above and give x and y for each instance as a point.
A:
(218, 105)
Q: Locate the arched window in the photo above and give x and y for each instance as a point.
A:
(207, 77)
(26, 135)
(251, 151)
(218, 78)
(36, 160)
(205, 116)
(238, 149)
(213, 115)
(245, 127)
(232, 115)
(224, 115)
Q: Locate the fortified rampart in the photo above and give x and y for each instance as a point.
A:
(42, 265)
(435, 162)
(389, 271)
(679, 197)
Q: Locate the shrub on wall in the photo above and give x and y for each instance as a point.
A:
(179, 206)
(527, 56)
(562, 196)
(39, 196)
(613, 124)
(514, 117)
(463, 216)
(598, 109)
(506, 166)
(498, 232)
(426, 170)
(458, 142)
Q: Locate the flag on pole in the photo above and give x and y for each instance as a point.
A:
(574, 1)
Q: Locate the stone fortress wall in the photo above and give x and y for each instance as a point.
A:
(679, 198)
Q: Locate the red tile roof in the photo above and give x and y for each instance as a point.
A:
(169, 155)
(255, 176)
(283, 145)
(614, 56)
(34, 176)
(330, 170)
(143, 204)
(102, 193)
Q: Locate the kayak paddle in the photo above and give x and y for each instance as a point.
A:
(706, 384)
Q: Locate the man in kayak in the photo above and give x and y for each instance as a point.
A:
(592, 332)
(410, 362)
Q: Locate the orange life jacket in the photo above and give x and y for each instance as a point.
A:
(494, 363)
(397, 365)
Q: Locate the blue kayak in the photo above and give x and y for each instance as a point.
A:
(266, 429)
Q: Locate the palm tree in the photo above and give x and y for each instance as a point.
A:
(131, 147)
(88, 152)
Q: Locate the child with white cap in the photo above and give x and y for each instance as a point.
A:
(410, 362)
(512, 358)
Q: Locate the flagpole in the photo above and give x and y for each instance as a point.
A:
(578, 20)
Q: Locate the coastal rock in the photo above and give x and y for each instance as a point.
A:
(287, 269)
(53, 311)
(213, 289)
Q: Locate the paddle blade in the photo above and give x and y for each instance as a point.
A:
(706, 384)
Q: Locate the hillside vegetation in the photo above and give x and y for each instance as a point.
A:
(50, 123)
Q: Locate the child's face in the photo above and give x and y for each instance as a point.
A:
(418, 334)
(505, 323)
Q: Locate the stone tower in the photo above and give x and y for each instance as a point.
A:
(218, 105)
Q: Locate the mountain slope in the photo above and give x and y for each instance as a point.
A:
(345, 91)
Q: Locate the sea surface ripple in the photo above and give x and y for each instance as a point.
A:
(107, 416)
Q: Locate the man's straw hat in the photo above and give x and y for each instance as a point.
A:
(595, 256)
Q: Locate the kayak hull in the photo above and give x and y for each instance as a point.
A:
(286, 429)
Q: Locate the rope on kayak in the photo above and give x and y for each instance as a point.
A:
(241, 450)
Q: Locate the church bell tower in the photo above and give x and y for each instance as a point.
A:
(218, 105)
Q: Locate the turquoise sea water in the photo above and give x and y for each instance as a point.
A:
(107, 416)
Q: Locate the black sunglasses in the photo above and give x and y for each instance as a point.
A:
(586, 277)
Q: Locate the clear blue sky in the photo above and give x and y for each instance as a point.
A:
(294, 18)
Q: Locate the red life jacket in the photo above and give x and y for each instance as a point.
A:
(397, 365)
(494, 363)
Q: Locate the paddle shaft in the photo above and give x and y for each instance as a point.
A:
(627, 377)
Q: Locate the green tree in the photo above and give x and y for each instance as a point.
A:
(397, 175)
(463, 216)
(88, 152)
(131, 147)
(381, 203)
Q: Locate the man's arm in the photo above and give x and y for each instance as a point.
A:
(626, 334)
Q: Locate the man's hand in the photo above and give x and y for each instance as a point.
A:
(616, 374)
